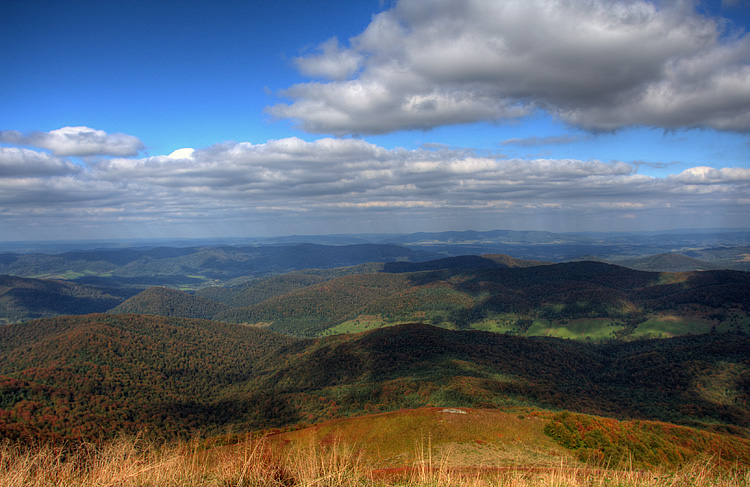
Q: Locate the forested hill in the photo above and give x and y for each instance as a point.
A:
(170, 302)
(22, 298)
(517, 300)
(98, 375)
(93, 375)
(465, 262)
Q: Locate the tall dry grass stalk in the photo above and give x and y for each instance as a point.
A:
(138, 463)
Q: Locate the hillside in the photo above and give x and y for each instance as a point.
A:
(97, 375)
(576, 300)
(728, 257)
(256, 290)
(668, 262)
(466, 262)
(169, 302)
(22, 299)
(581, 300)
(312, 309)
(489, 438)
(408, 366)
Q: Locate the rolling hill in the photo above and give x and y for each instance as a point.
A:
(23, 299)
(169, 302)
(99, 375)
(491, 439)
(668, 262)
(585, 298)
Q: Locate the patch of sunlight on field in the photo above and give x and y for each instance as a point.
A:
(667, 326)
(360, 324)
(583, 329)
(493, 326)
(71, 275)
(538, 328)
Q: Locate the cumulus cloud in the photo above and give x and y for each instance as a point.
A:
(77, 141)
(599, 65)
(332, 62)
(710, 175)
(17, 162)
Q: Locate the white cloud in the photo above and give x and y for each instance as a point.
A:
(353, 183)
(186, 153)
(710, 175)
(333, 62)
(77, 141)
(17, 162)
(600, 65)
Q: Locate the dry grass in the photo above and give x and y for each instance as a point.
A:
(137, 463)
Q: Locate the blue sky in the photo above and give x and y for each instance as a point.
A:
(300, 117)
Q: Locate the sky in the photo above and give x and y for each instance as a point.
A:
(198, 119)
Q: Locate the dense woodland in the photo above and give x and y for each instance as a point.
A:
(97, 375)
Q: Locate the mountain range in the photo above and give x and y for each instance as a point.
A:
(646, 360)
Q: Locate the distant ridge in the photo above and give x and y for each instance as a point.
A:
(468, 262)
(23, 298)
(220, 262)
(668, 262)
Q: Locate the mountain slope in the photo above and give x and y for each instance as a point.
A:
(469, 437)
(466, 262)
(23, 298)
(668, 262)
(314, 308)
(97, 375)
(412, 365)
(509, 299)
(169, 302)
(87, 376)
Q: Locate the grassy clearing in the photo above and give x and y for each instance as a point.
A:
(358, 325)
(370, 322)
(668, 326)
(582, 329)
(134, 463)
(494, 326)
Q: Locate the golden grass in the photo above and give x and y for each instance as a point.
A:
(137, 463)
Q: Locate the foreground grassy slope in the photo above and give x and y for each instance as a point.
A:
(135, 463)
(461, 437)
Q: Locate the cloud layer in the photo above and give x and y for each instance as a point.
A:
(76, 141)
(356, 185)
(598, 65)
